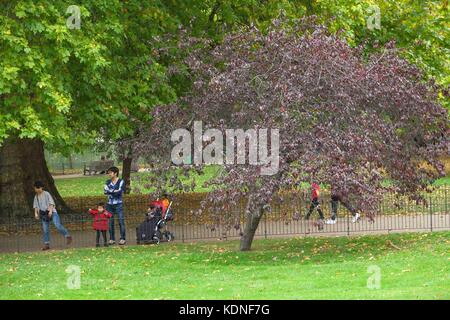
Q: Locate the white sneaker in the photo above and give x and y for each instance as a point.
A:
(122, 242)
(330, 221)
(356, 217)
(111, 242)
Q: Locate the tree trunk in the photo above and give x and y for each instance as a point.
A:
(70, 162)
(126, 173)
(22, 162)
(251, 224)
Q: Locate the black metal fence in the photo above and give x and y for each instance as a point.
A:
(285, 219)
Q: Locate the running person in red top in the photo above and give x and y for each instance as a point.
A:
(315, 204)
(101, 222)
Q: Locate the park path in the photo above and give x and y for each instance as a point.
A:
(68, 176)
(80, 175)
(266, 229)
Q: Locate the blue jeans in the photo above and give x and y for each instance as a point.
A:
(116, 208)
(57, 222)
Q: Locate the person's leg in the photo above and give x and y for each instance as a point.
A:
(111, 209)
(46, 233)
(349, 207)
(334, 209)
(57, 222)
(119, 209)
(352, 210)
(97, 238)
(105, 243)
(311, 208)
(321, 217)
(320, 212)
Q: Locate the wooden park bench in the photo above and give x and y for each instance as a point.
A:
(97, 166)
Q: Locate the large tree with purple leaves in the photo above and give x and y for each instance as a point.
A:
(345, 119)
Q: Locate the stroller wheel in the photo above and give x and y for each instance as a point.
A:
(169, 236)
(156, 239)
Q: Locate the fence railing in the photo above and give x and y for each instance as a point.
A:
(289, 204)
(285, 219)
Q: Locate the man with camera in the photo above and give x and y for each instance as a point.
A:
(44, 209)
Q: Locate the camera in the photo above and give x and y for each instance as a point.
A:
(44, 215)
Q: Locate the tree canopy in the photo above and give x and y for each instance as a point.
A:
(70, 83)
(344, 118)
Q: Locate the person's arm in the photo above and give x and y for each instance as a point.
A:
(36, 208)
(51, 205)
(106, 189)
(50, 210)
(121, 188)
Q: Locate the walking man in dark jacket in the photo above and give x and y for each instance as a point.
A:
(337, 197)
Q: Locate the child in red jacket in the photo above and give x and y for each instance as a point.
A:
(101, 222)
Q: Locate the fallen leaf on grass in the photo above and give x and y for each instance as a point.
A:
(393, 245)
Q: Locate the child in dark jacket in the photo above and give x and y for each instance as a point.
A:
(154, 212)
(101, 222)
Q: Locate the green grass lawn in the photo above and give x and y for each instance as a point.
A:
(93, 185)
(81, 187)
(443, 181)
(412, 266)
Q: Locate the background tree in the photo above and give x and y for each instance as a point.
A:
(42, 90)
(69, 84)
(144, 46)
(345, 119)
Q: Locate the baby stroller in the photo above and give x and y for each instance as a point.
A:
(154, 228)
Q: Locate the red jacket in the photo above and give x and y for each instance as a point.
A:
(315, 193)
(100, 219)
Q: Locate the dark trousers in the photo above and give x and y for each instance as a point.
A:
(116, 209)
(335, 204)
(97, 238)
(315, 205)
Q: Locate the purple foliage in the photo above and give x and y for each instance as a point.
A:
(345, 120)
